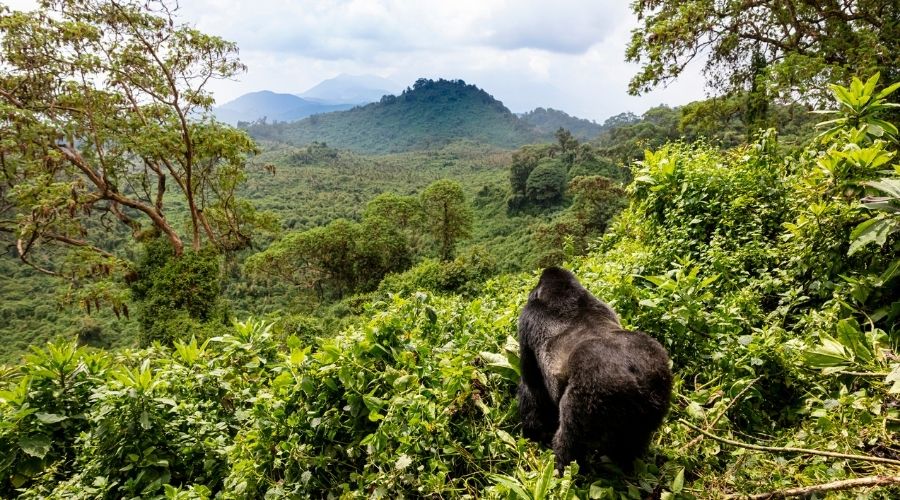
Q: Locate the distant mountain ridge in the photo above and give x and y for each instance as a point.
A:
(351, 89)
(430, 114)
(549, 120)
(272, 106)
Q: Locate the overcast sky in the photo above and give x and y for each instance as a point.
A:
(564, 54)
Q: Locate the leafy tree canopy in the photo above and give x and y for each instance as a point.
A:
(103, 123)
(447, 215)
(802, 43)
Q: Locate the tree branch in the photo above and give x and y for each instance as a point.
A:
(777, 449)
(845, 484)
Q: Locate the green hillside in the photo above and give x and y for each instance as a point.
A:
(428, 115)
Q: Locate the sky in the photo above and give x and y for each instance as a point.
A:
(564, 54)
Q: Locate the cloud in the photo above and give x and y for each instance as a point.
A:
(348, 29)
(563, 26)
(566, 54)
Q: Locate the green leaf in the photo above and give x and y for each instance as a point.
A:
(499, 363)
(542, 487)
(871, 231)
(49, 418)
(893, 380)
(887, 186)
(37, 446)
(830, 353)
(886, 126)
(597, 491)
(887, 90)
(656, 280)
(506, 438)
(511, 484)
(850, 335)
(678, 482)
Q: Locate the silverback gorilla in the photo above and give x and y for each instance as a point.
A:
(587, 383)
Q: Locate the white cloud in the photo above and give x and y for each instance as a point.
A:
(566, 54)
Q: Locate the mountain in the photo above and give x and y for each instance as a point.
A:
(550, 120)
(351, 89)
(273, 106)
(428, 115)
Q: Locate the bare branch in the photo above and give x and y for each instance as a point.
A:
(846, 484)
(778, 449)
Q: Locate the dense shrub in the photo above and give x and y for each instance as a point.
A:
(177, 297)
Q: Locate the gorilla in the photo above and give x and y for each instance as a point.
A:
(586, 383)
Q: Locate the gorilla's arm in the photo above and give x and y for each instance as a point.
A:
(540, 416)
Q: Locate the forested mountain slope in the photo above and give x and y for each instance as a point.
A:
(428, 115)
(549, 120)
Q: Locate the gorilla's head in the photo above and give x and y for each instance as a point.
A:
(558, 291)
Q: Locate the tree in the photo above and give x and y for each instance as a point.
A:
(402, 214)
(802, 43)
(547, 182)
(447, 215)
(334, 260)
(105, 117)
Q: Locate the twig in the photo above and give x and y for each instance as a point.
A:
(731, 403)
(845, 484)
(778, 449)
(864, 374)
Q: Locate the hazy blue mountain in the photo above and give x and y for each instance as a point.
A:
(273, 106)
(431, 114)
(550, 120)
(351, 89)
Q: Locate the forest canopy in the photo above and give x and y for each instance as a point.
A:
(789, 48)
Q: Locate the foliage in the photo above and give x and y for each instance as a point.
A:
(539, 173)
(801, 44)
(33, 313)
(546, 184)
(103, 104)
(176, 297)
(336, 259)
(348, 257)
(463, 275)
(596, 201)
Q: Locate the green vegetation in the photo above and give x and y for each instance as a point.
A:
(758, 269)
(772, 47)
(175, 294)
(429, 115)
(123, 141)
(386, 365)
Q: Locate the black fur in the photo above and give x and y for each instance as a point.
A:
(587, 383)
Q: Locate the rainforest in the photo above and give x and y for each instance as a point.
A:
(327, 306)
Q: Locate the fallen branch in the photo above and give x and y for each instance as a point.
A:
(778, 449)
(845, 484)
